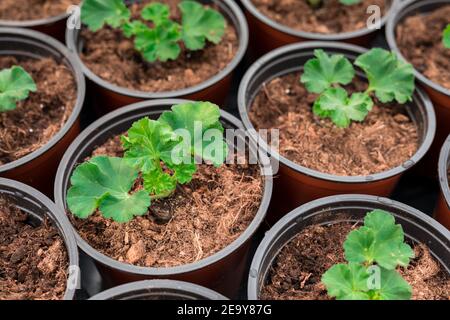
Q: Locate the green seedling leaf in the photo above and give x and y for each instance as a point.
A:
(96, 13)
(201, 24)
(341, 109)
(392, 287)
(148, 143)
(134, 27)
(159, 43)
(349, 2)
(389, 77)
(156, 12)
(105, 183)
(199, 119)
(347, 282)
(158, 182)
(15, 85)
(322, 72)
(446, 37)
(380, 240)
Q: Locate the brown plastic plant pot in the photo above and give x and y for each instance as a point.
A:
(109, 96)
(52, 26)
(158, 290)
(296, 184)
(439, 95)
(418, 228)
(38, 168)
(222, 271)
(442, 211)
(38, 206)
(267, 34)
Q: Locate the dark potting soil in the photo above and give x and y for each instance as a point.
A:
(298, 268)
(332, 17)
(38, 118)
(33, 259)
(384, 140)
(419, 39)
(208, 214)
(33, 9)
(112, 57)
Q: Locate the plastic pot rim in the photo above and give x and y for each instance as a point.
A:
(391, 25)
(331, 201)
(63, 225)
(151, 271)
(183, 286)
(311, 45)
(81, 91)
(312, 35)
(33, 23)
(442, 170)
(222, 74)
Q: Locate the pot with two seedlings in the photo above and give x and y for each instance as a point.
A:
(349, 120)
(141, 214)
(154, 50)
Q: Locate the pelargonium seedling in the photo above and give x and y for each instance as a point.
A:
(373, 252)
(389, 77)
(318, 3)
(446, 37)
(15, 85)
(161, 152)
(155, 35)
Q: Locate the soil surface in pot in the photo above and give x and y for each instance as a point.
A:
(33, 9)
(297, 270)
(208, 214)
(419, 39)
(112, 57)
(38, 118)
(33, 259)
(330, 18)
(384, 140)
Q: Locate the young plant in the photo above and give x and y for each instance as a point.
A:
(15, 85)
(156, 36)
(373, 253)
(162, 152)
(389, 79)
(318, 3)
(446, 37)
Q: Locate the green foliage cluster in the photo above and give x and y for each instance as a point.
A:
(15, 85)
(446, 37)
(160, 41)
(373, 253)
(317, 3)
(161, 152)
(389, 79)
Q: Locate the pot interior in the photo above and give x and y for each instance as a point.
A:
(418, 229)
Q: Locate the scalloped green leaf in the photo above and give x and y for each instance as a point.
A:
(334, 103)
(96, 13)
(347, 282)
(322, 72)
(389, 77)
(105, 183)
(200, 24)
(15, 85)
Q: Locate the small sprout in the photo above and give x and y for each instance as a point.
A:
(15, 85)
(160, 41)
(376, 248)
(446, 37)
(161, 151)
(389, 79)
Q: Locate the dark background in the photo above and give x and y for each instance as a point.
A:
(418, 192)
